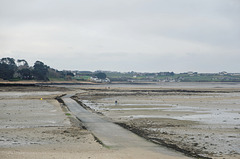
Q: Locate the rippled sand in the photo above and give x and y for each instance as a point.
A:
(202, 121)
(34, 125)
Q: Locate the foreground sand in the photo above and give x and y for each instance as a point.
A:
(35, 126)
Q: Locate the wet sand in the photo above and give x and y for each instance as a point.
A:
(199, 121)
(34, 125)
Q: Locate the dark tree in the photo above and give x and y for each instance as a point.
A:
(171, 73)
(25, 74)
(70, 74)
(101, 75)
(40, 71)
(22, 63)
(8, 61)
(7, 68)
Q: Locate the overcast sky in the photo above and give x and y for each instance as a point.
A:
(123, 35)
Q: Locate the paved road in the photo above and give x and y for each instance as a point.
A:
(110, 134)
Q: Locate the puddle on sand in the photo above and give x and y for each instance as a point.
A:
(205, 115)
(214, 117)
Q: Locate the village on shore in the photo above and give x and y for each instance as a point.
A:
(19, 70)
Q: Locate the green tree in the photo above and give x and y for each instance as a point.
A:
(25, 74)
(22, 63)
(101, 75)
(7, 68)
(40, 71)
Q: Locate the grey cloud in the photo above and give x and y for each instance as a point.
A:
(123, 34)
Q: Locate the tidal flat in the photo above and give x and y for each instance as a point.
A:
(198, 119)
(33, 124)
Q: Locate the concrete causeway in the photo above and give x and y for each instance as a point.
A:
(112, 135)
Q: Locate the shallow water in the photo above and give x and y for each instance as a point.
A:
(206, 115)
(216, 116)
(162, 85)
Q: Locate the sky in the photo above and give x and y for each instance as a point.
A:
(123, 35)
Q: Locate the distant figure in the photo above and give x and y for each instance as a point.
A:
(115, 101)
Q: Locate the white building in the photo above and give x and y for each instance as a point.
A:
(97, 80)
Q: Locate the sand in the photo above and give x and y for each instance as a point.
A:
(35, 126)
(201, 122)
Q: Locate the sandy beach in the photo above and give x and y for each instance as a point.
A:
(35, 125)
(200, 121)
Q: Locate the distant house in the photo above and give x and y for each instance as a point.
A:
(97, 80)
(94, 79)
(190, 72)
(223, 73)
(235, 74)
(106, 80)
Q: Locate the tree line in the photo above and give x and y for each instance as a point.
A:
(11, 69)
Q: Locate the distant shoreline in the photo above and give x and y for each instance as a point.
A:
(38, 83)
